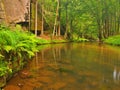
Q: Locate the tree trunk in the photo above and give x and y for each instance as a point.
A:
(30, 15)
(119, 17)
(55, 31)
(36, 17)
(66, 31)
(42, 29)
(59, 15)
(100, 31)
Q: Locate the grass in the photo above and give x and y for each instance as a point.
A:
(113, 40)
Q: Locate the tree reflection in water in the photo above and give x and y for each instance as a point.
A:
(116, 74)
(73, 67)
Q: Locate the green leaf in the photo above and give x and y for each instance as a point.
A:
(8, 48)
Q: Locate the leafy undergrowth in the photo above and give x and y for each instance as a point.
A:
(80, 40)
(4, 69)
(114, 40)
(46, 39)
(58, 41)
(43, 41)
(16, 48)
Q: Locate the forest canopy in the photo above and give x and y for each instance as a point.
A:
(92, 19)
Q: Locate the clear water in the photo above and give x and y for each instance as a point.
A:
(71, 66)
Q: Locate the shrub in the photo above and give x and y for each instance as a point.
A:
(114, 40)
(15, 45)
(4, 69)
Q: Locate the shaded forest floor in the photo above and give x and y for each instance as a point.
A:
(48, 37)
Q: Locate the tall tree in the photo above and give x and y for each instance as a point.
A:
(42, 9)
(56, 29)
(66, 10)
(36, 14)
(83, 18)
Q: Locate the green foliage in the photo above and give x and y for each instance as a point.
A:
(4, 69)
(78, 39)
(43, 41)
(58, 41)
(1, 56)
(87, 18)
(4, 27)
(18, 41)
(114, 40)
(15, 45)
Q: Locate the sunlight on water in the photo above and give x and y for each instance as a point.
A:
(72, 66)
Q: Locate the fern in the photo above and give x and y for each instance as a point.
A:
(16, 45)
(8, 48)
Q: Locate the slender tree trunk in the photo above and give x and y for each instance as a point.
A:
(66, 31)
(119, 17)
(36, 17)
(55, 31)
(57, 20)
(55, 24)
(119, 24)
(59, 11)
(71, 29)
(116, 32)
(42, 29)
(100, 31)
(110, 25)
(29, 12)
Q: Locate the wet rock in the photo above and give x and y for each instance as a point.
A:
(24, 74)
(20, 84)
(12, 87)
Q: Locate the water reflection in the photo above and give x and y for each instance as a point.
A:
(73, 67)
(116, 75)
(119, 75)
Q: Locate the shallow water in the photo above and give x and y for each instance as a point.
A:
(71, 66)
